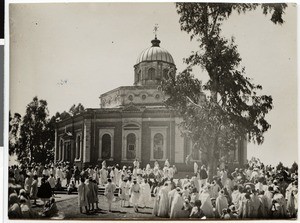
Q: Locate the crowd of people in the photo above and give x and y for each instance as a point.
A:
(255, 191)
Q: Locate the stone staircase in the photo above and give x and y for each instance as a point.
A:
(100, 191)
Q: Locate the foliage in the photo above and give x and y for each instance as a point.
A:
(36, 139)
(74, 110)
(279, 166)
(14, 131)
(32, 137)
(231, 107)
(294, 167)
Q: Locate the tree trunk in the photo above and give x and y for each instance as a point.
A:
(212, 163)
(213, 159)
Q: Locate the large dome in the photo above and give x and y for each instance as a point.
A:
(155, 53)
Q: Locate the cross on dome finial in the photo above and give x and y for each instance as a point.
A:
(155, 42)
(155, 30)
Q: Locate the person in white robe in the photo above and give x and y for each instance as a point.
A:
(156, 191)
(110, 188)
(134, 172)
(215, 188)
(82, 196)
(177, 205)
(156, 164)
(195, 167)
(148, 169)
(136, 163)
(124, 192)
(145, 197)
(223, 177)
(206, 204)
(264, 202)
(236, 196)
(221, 203)
(59, 173)
(103, 164)
(171, 173)
(163, 208)
(256, 204)
(280, 200)
(117, 176)
(171, 195)
(269, 196)
(103, 176)
(165, 171)
(167, 163)
(292, 203)
(135, 195)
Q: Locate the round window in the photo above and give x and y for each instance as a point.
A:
(130, 97)
(157, 96)
(144, 97)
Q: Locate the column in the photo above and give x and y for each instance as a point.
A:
(87, 141)
(55, 147)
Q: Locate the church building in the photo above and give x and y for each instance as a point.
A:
(131, 123)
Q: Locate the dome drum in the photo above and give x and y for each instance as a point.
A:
(152, 65)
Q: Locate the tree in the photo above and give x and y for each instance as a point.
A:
(14, 131)
(294, 167)
(36, 135)
(74, 110)
(231, 109)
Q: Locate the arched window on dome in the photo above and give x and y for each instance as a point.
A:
(151, 74)
(165, 73)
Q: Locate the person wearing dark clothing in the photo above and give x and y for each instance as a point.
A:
(77, 175)
(45, 191)
(68, 176)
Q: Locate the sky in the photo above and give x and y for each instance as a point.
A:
(71, 53)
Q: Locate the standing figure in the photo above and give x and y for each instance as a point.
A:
(145, 197)
(82, 196)
(110, 188)
(221, 203)
(91, 193)
(96, 194)
(163, 209)
(135, 195)
(156, 164)
(103, 176)
(136, 164)
(27, 184)
(167, 163)
(124, 192)
(34, 189)
(177, 205)
(195, 167)
(77, 175)
(45, 191)
(103, 164)
(203, 176)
